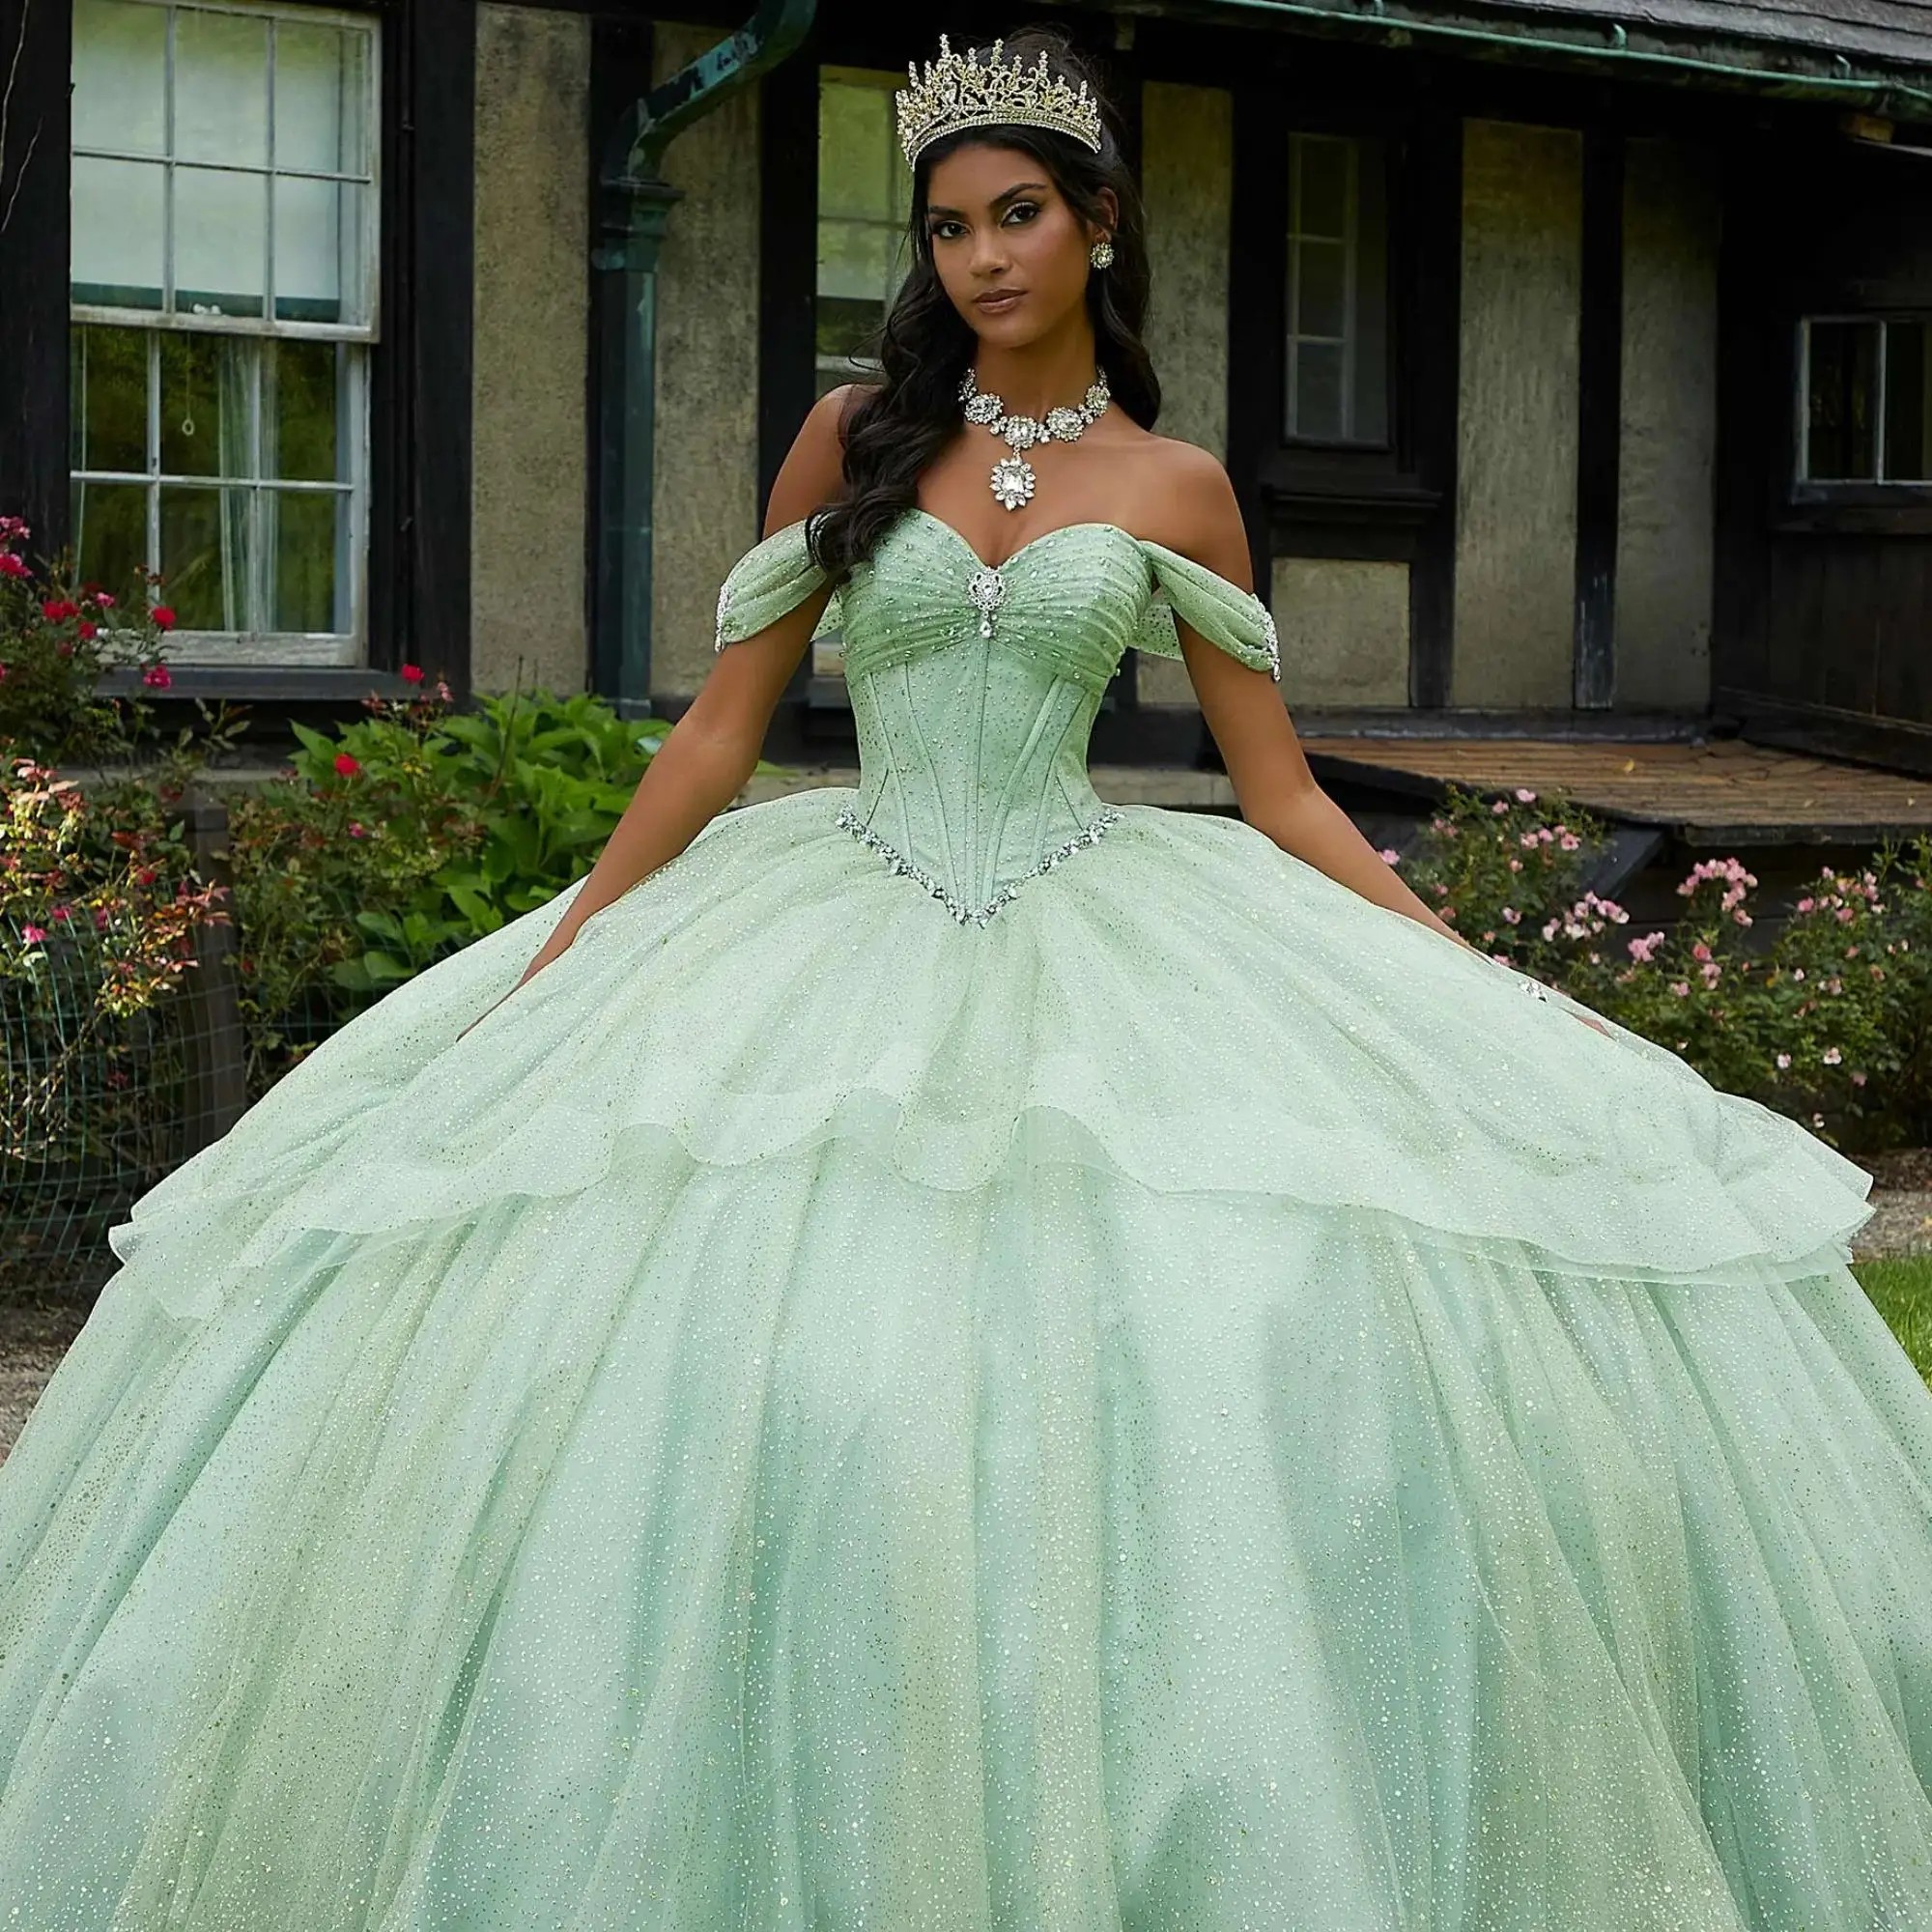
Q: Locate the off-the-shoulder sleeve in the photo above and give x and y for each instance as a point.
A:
(1224, 613)
(771, 577)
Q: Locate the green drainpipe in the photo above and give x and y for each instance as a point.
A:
(634, 207)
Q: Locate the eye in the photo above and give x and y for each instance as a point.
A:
(1032, 208)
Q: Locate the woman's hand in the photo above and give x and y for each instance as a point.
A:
(557, 944)
(1532, 986)
(1589, 1020)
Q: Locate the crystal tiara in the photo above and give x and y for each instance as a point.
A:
(960, 93)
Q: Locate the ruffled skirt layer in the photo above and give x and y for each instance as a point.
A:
(1193, 1405)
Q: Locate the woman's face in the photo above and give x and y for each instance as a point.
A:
(995, 220)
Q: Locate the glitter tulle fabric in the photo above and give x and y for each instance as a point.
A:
(1180, 1402)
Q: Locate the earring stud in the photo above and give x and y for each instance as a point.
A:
(1101, 252)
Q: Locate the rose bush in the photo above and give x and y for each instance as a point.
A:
(1829, 1018)
(57, 635)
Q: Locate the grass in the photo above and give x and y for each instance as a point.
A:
(1901, 1290)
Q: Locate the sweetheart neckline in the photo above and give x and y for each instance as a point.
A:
(1032, 543)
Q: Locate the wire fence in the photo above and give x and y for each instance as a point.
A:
(97, 1106)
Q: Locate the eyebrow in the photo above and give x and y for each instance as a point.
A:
(1019, 187)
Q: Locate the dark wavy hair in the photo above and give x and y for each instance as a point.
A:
(909, 410)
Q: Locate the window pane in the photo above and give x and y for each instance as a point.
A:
(222, 242)
(864, 202)
(322, 86)
(1843, 384)
(1321, 290)
(110, 532)
(206, 411)
(1908, 432)
(1322, 168)
(107, 399)
(305, 398)
(116, 250)
(1369, 422)
(855, 145)
(1337, 350)
(319, 250)
(204, 556)
(221, 88)
(309, 543)
(1319, 390)
(120, 70)
(857, 259)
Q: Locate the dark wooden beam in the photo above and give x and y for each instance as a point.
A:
(1257, 297)
(36, 43)
(1599, 418)
(1429, 316)
(429, 350)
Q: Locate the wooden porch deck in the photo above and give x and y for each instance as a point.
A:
(1720, 791)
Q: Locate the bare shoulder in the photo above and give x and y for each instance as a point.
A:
(836, 405)
(813, 471)
(1199, 514)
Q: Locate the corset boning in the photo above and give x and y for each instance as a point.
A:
(973, 768)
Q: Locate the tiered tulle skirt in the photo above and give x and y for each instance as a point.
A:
(1193, 1407)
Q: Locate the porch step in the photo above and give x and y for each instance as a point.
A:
(1719, 791)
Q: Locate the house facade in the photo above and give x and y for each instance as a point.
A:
(1574, 374)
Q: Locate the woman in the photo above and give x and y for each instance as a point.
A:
(950, 1356)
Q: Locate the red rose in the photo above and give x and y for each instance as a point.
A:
(346, 765)
(89, 630)
(11, 565)
(163, 616)
(159, 676)
(413, 673)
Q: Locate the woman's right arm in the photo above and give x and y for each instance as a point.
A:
(713, 748)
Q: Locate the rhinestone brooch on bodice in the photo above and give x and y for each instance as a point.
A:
(984, 590)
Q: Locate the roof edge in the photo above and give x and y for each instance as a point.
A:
(1786, 68)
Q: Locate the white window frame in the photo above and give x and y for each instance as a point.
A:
(262, 645)
(1801, 476)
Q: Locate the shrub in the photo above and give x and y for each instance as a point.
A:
(409, 832)
(56, 638)
(1830, 1021)
(99, 909)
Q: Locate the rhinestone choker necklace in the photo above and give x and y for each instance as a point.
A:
(1013, 477)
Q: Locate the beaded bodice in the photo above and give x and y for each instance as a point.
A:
(973, 689)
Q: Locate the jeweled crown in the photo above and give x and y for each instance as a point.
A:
(958, 93)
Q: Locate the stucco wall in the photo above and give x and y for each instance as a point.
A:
(1516, 536)
(1669, 411)
(1187, 147)
(704, 497)
(531, 438)
(1344, 628)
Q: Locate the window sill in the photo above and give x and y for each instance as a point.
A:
(1905, 511)
(246, 682)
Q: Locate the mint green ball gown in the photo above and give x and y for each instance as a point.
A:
(968, 1360)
